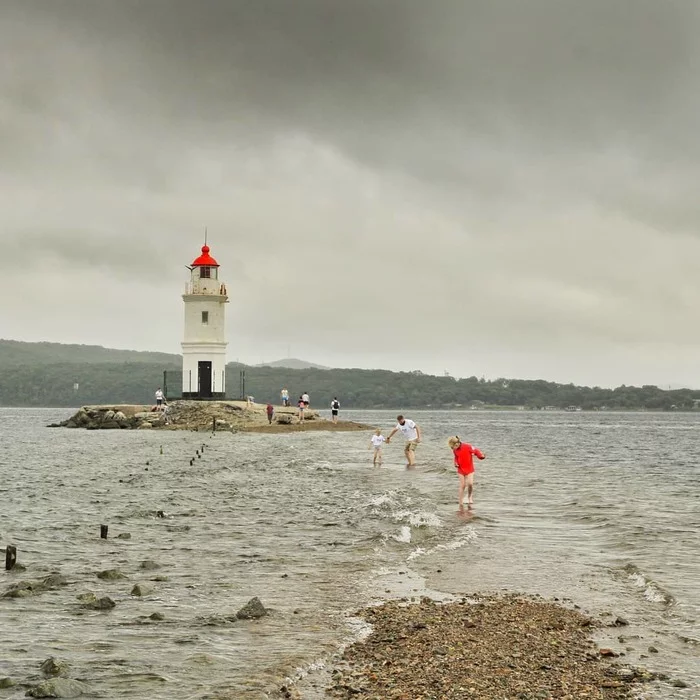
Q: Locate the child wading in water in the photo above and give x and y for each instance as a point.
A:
(376, 441)
(464, 462)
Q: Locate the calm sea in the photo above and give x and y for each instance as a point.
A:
(599, 510)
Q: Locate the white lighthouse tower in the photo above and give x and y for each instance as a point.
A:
(204, 344)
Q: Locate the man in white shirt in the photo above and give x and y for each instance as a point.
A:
(411, 432)
(160, 398)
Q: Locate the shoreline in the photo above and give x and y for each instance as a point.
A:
(480, 647)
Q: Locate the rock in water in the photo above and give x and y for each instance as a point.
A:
(23, 589)
(149, 565)
(252, 610)
(54, 667)
(58, 688)
(111, 575)
(141, 590)
(7, 683)
(92, 602)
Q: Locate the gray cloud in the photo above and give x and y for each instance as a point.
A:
(486, 187)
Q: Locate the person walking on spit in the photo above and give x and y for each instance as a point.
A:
(376, 442)
(411, 432)
(284, 394)
(302, 406)
(160, 399)
(270, 410)
(335, 407)
(464, 462)
(305, 399)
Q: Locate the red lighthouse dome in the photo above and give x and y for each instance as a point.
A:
(205, 260)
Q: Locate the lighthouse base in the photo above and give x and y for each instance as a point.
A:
(195, 396)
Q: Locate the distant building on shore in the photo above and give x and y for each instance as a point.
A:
(204, 344)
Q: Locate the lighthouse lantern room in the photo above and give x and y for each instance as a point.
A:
(204, 344)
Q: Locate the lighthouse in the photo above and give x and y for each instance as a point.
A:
(204, 344)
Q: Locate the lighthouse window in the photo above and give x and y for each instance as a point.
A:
(205, 272)
(205, 317)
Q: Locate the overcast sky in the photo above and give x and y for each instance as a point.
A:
(497, 188)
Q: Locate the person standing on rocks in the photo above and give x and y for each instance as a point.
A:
(335, 407)
(464, 462)
(160, 399)
(270, 409)
(284, 394)
(305, 399)
(302, 405)
(411, 431)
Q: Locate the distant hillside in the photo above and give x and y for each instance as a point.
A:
(14, 353)
(292, 363)
(50, 374)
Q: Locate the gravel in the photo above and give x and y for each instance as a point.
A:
(493, 648)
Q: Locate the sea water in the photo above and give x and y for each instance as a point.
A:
(599, 510)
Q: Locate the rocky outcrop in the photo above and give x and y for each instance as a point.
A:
(219, 416)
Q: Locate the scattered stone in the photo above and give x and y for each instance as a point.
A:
(58, 688)
(252, 610)
(24, 589)
(124, 536)
(679, 684)
(141, 590)
(92, 602)
(7, 683)
(607, 652)
(111, 575)
(54, 667)
(156, 616)
(619, 622)
(653, 650)
(149, 565)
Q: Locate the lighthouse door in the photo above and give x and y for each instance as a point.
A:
(204, 371)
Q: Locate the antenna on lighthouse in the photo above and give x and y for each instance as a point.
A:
(205, 235)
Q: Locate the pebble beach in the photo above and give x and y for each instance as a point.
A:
(484, 648)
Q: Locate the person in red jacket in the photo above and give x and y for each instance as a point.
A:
(464, 462)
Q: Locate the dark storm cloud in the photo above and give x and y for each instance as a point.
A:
(519, 165)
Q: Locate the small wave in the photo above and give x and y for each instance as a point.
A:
(404, 535)
(384, 499)
(417, 519)
(465, 538)
(416, 553)
(651, 590)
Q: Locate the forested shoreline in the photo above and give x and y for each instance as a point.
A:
(51, 374)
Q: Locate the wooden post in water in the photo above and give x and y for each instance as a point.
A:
(103, 531)
(10, 557)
